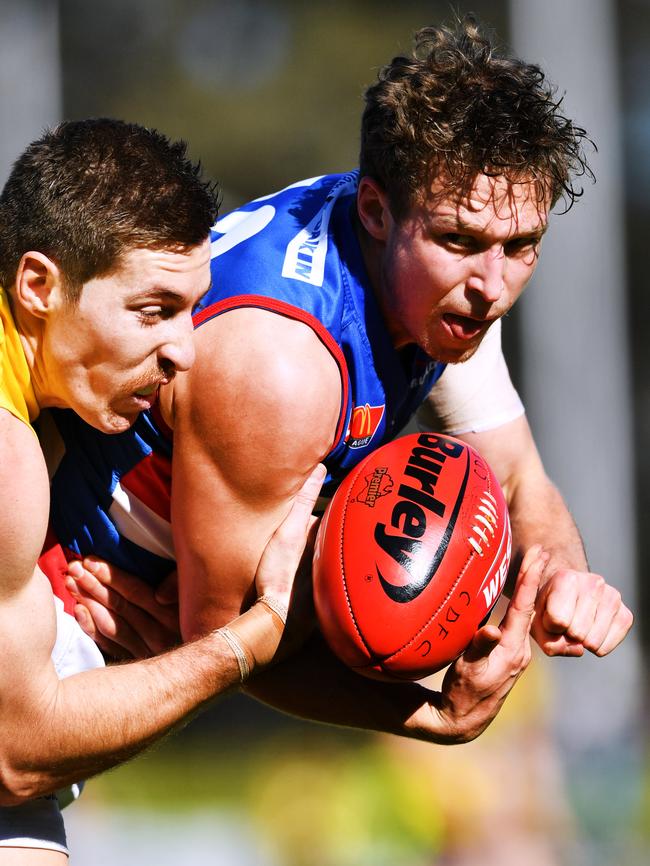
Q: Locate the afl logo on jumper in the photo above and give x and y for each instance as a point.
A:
(364, 422)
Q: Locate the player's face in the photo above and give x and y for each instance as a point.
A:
(130, 332)
(452, 267)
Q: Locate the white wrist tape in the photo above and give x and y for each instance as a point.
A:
(233, 642)
(276, 606)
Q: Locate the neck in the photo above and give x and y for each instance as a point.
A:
(372, 252)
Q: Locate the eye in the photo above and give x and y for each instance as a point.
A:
(521, 246)
(153, 313)
(458, 241)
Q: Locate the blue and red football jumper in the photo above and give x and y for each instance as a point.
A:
(295, 253)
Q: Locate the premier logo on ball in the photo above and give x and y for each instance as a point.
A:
(412, 554)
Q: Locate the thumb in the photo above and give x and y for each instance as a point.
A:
(483, 642)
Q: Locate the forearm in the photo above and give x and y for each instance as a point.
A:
(94, 720)
(56, 732)
(576, 610)
(314, 685)
(539, 515)
(538, 512)
(59, 731)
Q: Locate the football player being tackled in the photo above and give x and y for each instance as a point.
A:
(339, 307)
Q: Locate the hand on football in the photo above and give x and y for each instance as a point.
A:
(476, 685)
(578, 611)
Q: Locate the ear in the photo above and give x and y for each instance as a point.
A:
(39, 283)
(373, 209)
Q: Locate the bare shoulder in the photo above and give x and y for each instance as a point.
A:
(24, 503)
(264, 390)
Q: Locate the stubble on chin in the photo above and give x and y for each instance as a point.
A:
(112, 422)
(455, 358)
(447, 355)
(451, 356)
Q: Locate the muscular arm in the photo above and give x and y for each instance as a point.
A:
(257, 411)
(249, 422)
(315, 685)
(55, 732)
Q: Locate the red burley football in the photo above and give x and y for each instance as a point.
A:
(411, 556)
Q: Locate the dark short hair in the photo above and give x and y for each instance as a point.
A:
(89, 190)
(458, 107)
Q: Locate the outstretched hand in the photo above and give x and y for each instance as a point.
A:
(476, 685)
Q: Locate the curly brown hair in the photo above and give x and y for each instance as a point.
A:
(457, 108)
(89, 190)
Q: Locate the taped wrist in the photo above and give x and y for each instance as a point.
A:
(254, 636)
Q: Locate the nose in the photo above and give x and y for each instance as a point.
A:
(488, 273)
(178, 349)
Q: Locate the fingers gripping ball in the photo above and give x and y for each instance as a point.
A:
(411, 556)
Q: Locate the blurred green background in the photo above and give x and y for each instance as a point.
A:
(267, 92)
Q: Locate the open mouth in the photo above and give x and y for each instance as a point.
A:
(148, 390)
(148, 393)
(464, 327)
